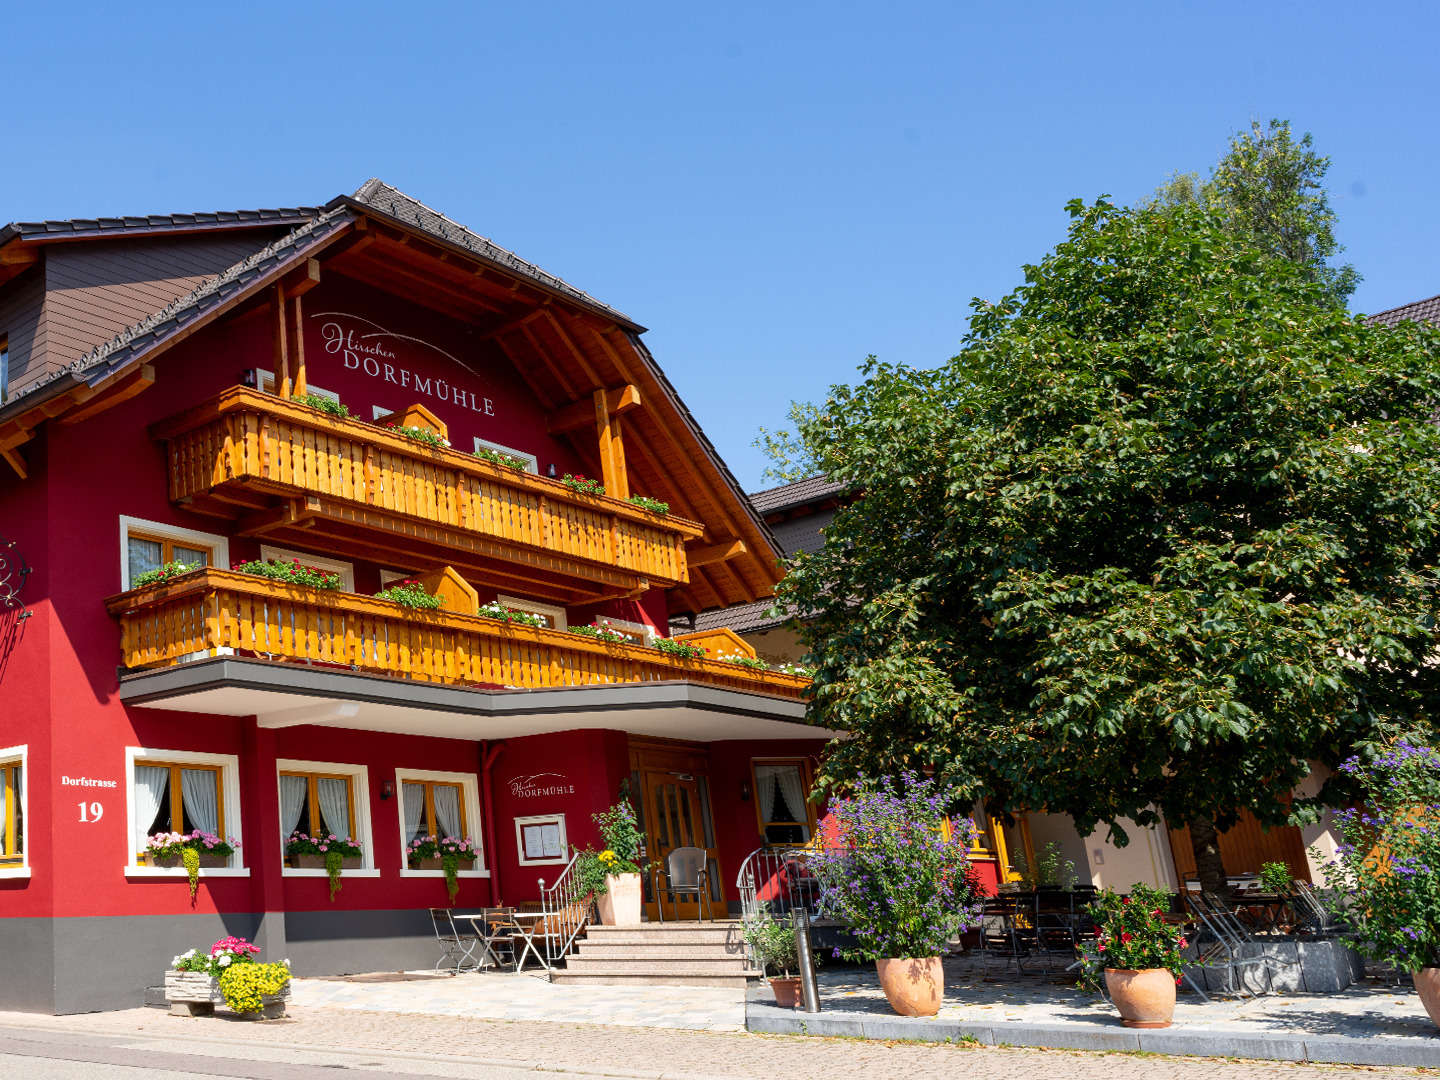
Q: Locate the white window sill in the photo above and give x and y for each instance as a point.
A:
(179, 871)
(295, 871)
(407, 872)
(14, 872)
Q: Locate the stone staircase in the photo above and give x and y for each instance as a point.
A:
(659, 954)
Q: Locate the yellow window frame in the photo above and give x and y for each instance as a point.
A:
(807, 780)
(312, 796)
(12, 839)
(432, 824)
(177, 796)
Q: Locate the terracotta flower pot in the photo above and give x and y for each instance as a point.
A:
(1144, 999)
(786, 991)
(1427, 985)
(621, 902)
(914, 985)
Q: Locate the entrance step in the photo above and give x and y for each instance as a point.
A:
(566, 977)
(660, 954)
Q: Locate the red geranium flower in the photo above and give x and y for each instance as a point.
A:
(1126, 937)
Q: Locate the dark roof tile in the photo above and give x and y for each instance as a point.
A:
(1418, 311)
(812, 489)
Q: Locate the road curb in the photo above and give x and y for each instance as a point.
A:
(764, 1018)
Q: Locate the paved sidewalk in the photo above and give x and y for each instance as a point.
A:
(463, 1047)
(1372, 1023)
(508, 996)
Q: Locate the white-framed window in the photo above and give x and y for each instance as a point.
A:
(637, 633)
(541, 840)
(324, 797)
(346, 570)
(438, 804)
(532, 463)
(265, 383)
(14, 853)
(149, 545)
(377, 411)
(179, 791)
(554, 616)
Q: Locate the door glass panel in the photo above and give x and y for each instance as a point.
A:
(707, 824)
(688, 825)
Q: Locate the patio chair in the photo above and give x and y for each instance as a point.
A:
(686, 873)
(1001, 931)
(1230, 941)
(454, 945)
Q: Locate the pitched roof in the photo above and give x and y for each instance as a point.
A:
(742, 618)
(391, 202)
(161, 325)
(811, 489)
(1417, 311)
(85, 228)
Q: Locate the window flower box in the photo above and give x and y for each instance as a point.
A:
(317, 862)
(436, 862)
(207, 859)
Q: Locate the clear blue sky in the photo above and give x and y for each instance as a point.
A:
(776, 190)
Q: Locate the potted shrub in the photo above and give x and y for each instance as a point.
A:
(228, 973)
(191, 850)
(613, 875)
(773, 946)
(448, 853)
(1385, 879)
(897, 874)
(327, 852)
(1139, 953)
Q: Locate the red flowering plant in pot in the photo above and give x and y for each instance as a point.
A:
(1139, 951)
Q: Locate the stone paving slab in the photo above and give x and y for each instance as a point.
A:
(528, 996)
(1376, 1023)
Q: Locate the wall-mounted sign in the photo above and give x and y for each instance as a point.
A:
(85, 781)
(367, 347)
(539, 785)
(541, 839)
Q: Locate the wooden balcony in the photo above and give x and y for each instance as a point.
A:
(211, 611)
(294, 475)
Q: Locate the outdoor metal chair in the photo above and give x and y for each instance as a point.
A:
(454, 945)
(686, 873)
(1230, 941)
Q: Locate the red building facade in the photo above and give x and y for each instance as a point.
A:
(152, 413)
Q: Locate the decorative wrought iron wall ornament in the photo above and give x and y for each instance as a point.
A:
(13, 572)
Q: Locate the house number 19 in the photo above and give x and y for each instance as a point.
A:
(92, 811)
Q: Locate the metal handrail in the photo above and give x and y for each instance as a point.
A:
(792, 886)
(565, 910)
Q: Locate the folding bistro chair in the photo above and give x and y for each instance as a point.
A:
(453, 944)
(686, 872)
(1229, 940)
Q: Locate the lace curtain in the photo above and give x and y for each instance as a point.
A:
(787, 779)
(414, 799)
(334, 796)
(150, 784)
(292, 801)
(447, 810)
(200, 797)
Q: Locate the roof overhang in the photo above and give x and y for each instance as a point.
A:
(286, 695)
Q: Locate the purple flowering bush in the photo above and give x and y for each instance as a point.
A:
(1387, 867)
(896, 869)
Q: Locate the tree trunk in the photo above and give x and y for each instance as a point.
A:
(1209, 866)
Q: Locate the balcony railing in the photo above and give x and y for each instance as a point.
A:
(210, 612)
(279, 466)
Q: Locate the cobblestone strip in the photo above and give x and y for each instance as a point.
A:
(674, 1054)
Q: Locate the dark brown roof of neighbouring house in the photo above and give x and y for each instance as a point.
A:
(1417, 311)
(798, 493)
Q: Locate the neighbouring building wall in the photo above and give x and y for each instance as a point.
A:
(23, 327)
(1059, 830)
(1146, 858)
(777, 646)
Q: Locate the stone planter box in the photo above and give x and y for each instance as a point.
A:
(193, 993)
(317, 862)
(1291, 966)
(433, 863)
(209, 859)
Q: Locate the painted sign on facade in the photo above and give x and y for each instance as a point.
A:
(540, 785)
(366, 347)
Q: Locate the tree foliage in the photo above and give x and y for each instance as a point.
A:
(1269, 189)
(1163, 533)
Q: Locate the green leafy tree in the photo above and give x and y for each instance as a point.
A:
(1270, 189)
(1161, 536)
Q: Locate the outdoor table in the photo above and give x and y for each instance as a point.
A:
(536, 919)
(481, 922)
(1265, 912)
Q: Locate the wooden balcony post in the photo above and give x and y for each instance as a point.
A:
(299, 349)
(609, 404)
(282, 352)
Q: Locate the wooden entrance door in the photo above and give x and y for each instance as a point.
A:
(1244, 847)
(671, 782)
